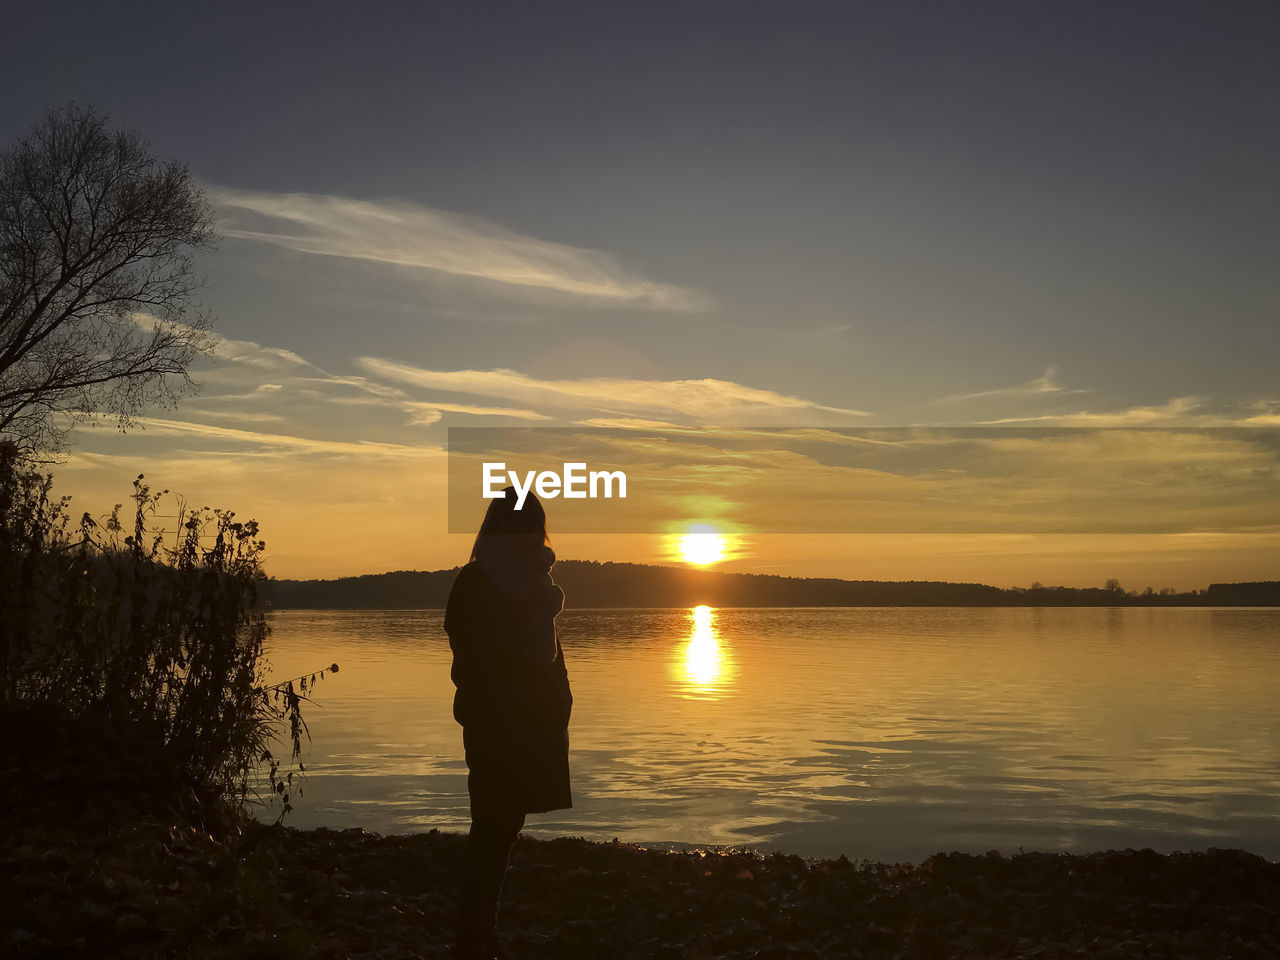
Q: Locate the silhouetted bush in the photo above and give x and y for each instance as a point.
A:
(150, 642)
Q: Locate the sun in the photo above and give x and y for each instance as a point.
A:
(702, 547)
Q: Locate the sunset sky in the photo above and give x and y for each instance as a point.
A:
(701, 215)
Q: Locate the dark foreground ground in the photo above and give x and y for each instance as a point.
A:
(102, 855)
(152, 889)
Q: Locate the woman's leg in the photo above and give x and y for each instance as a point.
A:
(484, 868)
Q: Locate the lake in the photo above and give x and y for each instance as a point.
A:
(881, 732)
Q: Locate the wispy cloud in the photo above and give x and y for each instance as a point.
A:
(706, 400)
(298, 386)
(420, 410)
(1266, 413)
(243, 416)
(361, 384)
(256, 355)
(257, 394)
(243, 352)
(627, 423)
(408, 234)
(156, 426)
(1046, 383)
(1180, 411)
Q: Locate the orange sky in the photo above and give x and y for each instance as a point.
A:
(330, 510)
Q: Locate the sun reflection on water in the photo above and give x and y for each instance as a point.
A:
(704, 666)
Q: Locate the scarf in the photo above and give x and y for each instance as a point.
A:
(535, 596)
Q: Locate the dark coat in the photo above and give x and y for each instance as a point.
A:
(514, 714)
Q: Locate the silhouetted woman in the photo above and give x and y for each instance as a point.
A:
(513, 701)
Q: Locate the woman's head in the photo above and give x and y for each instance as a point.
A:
(508, 530)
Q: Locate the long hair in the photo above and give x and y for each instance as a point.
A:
(505, 529)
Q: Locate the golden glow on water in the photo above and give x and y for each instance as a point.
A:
(889, 732)
(702, 652)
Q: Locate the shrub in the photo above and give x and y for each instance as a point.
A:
(154, 636)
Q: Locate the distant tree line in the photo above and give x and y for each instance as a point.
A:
(590, 584)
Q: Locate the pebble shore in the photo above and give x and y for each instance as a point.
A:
(157, 890)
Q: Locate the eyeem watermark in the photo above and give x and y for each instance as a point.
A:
(1015, 479)
(575, 483)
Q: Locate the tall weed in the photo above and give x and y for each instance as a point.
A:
(154, 635)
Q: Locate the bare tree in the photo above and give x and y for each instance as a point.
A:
(96, 245)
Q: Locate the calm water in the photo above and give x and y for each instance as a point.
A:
(890, 733)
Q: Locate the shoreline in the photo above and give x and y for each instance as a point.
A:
(534, 831)
(820, 606)
(280, 891)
